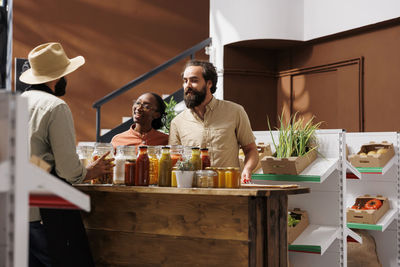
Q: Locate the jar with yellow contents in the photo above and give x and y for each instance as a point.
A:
(153, 152)
(232, 177)
(173, 177)
(221, 177)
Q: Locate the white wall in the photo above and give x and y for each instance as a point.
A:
(239, 20)
(236, 20)
(323, 17)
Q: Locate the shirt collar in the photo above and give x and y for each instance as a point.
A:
(211, 105)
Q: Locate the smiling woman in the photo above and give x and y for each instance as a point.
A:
(147, 112)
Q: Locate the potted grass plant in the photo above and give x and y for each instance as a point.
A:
(295, 146)
(184, 173)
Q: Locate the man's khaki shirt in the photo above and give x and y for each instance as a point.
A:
(52, 137)
(225, 128)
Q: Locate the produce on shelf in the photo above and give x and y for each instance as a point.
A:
(296, 146)
(367, 209)
(262, 149)
(372, 155)
(297, 223)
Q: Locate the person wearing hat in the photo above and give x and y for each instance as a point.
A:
(57, 237)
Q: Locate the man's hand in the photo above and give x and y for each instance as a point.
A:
(99, 167)
(250, 161)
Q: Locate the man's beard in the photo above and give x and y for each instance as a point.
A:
(196, 98)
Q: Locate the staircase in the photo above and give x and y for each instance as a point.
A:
(177, 95)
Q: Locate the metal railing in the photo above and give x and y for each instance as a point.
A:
(189, 52)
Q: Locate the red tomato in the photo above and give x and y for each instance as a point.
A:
(373, 204)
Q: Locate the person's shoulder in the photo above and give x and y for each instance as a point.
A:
(229, 104)
(182, 115)
(45, 100)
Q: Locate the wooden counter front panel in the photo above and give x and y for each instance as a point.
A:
(128, 229)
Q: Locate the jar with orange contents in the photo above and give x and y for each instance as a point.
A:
(176, 152)
(153, 152)
(232, 177)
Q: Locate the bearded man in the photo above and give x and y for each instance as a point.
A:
(221, 126)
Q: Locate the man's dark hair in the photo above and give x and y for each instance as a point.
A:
(209, 72)
(157, 123)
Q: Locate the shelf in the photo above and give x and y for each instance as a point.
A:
(47, 188)
(382, 224)
(353, 237)
(359, 172)
(315, 239)
(4, 174)
(317, 172)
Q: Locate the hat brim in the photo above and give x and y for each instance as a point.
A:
(29, 78)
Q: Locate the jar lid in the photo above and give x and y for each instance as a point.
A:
(140, 147)
(165, 147)
(204, 149)
(195, 148)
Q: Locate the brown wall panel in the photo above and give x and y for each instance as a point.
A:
(357, 97)
(120, 41)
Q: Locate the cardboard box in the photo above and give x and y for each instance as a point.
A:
(291, 165)
(263, 150)
(367, 216)
(376, 160)
(294, 232)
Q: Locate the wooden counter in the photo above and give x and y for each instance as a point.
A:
(164, 226)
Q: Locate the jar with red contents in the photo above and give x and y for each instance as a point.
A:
(205, 159)
(142, 174)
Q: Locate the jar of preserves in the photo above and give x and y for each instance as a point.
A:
(176, 152)
(221, 177)
(173, 177)
(99, 150)
(232, 178)
(215, 177)
(205, 159)
(205, 178)
(142, 167)
(153, 152)
(123, 152)
(164, 167)
(195, 158)
(85, 154)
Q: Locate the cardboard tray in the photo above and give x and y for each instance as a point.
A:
(376, 160)
(294, 232)
(367, 216)
(263, 150)
(292, 165)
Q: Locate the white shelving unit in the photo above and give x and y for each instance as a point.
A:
(324, 241)
(378, 181)
(19, 181)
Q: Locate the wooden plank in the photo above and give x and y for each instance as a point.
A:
(191, 191)
(119, 249)
(217, 217)
(283, 221)
(272, 231)
(252, 231)
(262, 225)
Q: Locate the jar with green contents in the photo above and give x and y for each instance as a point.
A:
(164, 167)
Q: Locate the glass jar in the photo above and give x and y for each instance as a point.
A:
(176, 152)
(205, 159)
(173, 177)
(215, 177)
(221, 177)
(142, 167)
(164, 167)
(205, 178)
(195, 158)
(232, 178)
(123, 152)
(153, 152)
(99, 150)
(85, 154)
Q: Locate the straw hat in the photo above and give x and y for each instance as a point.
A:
(48, 63)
